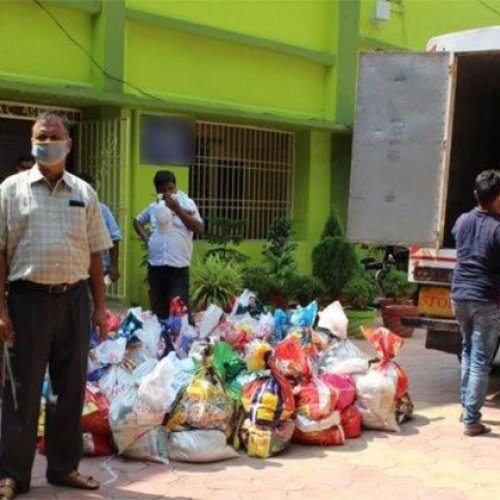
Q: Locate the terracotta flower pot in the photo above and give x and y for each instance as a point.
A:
(391, 301)
(392, 314)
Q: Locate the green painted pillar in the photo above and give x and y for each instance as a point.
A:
(347, 68)
(109, 46)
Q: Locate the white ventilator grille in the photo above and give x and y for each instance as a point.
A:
(243, 173)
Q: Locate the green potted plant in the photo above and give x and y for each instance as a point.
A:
(358, 293)
(258, 280)
(279, 258)
(335, 263)
(223, 233)
(397, 302)
(215, 281)
(304, 289)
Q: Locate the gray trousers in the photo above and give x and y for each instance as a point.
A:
(48, 329)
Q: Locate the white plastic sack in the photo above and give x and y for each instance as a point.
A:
(199, 446)
(160, 388)
(243, 300)
(266, 326)
(334, 319)
(130, 418)
(305, 424)
(210, 320)
(163, 215)
(149, 335)
(143, 370)
(116, 380)
(110, 352)
(375, 400)
(344, 358)
(151, 446)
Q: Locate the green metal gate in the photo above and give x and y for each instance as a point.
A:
(103, 152)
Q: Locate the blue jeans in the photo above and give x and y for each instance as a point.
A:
(479, 323)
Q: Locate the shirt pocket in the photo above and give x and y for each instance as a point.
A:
(19, 214)
(76, 224)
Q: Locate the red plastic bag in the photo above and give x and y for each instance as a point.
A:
(350, 418)
(112, 321)
(94, 445)
(177, 307)
(316, 399)
(95, 413)
(331, 437)
(291, 360)
(344, 386)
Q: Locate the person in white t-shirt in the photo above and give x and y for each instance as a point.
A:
(167, 227)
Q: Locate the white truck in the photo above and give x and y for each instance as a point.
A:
(426, 125)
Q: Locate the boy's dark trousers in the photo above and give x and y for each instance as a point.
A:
(166, 283)
(51, 328)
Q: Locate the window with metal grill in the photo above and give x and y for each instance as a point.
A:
(242, 173)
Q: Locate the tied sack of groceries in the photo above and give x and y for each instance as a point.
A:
(384, 387)
(200, 421)
(268, 406)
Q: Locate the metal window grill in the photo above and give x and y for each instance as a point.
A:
(243, 173)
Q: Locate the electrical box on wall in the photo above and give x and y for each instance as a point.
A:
(382, 10)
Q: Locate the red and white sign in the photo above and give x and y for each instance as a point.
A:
(428, 265)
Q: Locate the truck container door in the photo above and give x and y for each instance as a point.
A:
(401, 145)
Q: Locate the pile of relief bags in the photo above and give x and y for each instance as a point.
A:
(160, 390)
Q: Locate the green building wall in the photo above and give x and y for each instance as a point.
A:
(284, 64)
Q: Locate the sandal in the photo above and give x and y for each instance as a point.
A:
(72, 479)
(477, 429)
(8, 488)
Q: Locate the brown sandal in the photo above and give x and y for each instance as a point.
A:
(476, 430)
(8, 489)
(73, 479)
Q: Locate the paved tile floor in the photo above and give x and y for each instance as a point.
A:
(429, 459)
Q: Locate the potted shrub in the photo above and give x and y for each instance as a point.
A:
(358, 294)
(215, 281)
(397, 302)
(279, 258)
(335, 263)
(258, 280)
(304, 289)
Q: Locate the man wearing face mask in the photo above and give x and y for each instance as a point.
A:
(51, 238)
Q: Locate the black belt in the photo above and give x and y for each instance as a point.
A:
(57, 289)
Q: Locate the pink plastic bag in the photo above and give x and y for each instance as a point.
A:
(344, 385)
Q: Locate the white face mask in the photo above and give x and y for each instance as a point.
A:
(50, 153)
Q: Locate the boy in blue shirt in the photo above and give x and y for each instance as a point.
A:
(475, 292)
(109, 257)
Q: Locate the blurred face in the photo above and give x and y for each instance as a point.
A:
(495, 207)
(50, 141)
(168, 189)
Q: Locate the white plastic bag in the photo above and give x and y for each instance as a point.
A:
(376, 401)
(199, 446)
(163, 215)
(305, 424)
(160, 388)
(151, 446)
(143, 370)
(243, 300)
(210, 320)
(110, 352)
(116, 380)
(266, 326)
(334, 319)
(130, 418)
(343, 357)
(149, 335)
